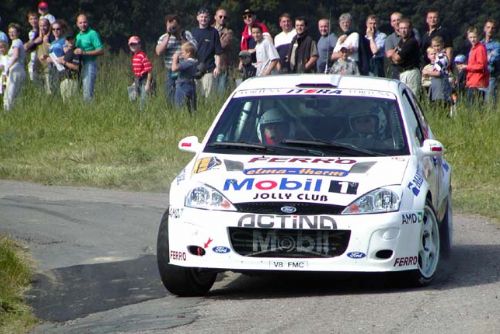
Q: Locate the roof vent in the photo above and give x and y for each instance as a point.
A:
(334, 83)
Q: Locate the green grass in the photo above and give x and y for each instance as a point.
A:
(15, 276)
(473, 148)
(109, 143)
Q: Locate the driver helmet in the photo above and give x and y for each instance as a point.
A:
(277, 125)
(368, 123)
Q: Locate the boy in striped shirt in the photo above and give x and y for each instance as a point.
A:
(142, 69)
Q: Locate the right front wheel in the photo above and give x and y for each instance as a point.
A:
(181, 281)
(429, 249)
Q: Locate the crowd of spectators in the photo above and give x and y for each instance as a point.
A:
(201, 61)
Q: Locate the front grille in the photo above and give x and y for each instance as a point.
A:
(288, 243)
(303, 208)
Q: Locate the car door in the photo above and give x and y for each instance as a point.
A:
(432, 166)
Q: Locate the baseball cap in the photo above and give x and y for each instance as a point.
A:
(43, 5)
(134, 40)
(459, 59)
(248, 11)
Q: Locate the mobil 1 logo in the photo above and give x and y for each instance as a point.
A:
(343, 187)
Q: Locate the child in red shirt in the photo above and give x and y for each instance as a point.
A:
(142, 69)
(477, 67)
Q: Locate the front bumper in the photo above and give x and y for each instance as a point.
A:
(375, 242)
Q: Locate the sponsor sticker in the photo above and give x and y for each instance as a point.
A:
(296, 171)
(314, 91)
(343, 187)
(416, 183)
(412, 218)
(291, 196)
(221, 249)
(288, 221)
(284, 183)
(406, 261)
(181, 177)
(446, 167)
(356, 255)
(302, 160)
(174, 212)
(177, 255)
(279, 264)
(204, 164)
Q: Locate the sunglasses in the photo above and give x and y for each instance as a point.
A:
(247, 16)
(56, 29)
(222, 17)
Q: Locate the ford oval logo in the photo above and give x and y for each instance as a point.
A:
(288, 209)
(221, 249)
(356, 255)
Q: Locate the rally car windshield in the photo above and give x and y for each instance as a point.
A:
(310, 125)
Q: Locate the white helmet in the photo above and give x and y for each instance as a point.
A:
(375, 112)
(274, 116)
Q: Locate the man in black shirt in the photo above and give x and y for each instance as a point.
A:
(434, 29)
(209, 50)
(407, 57)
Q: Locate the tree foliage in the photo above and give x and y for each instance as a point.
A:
(118, 19)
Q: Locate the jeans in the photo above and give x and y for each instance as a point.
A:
(475, 95)
(377, 67)
(170, 85)
(89, 74)
(185, 94)
(221, 83)
(491, 91)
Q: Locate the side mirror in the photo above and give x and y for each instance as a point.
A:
(189, 144)
(432, 148)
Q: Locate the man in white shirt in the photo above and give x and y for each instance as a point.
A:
(266, 54)
(283, 40)
(349, 39)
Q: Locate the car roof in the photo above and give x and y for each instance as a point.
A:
(320, 81)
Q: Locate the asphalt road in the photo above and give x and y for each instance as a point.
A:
(95, 255)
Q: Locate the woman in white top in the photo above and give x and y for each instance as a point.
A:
(15, 67)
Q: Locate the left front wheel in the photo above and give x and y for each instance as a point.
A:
(181, 281)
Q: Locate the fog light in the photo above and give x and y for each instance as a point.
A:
(384, 254)
(196, 250)
(391, 233)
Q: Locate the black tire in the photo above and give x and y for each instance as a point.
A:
(445, 231)
(429, 252)
(181, 281)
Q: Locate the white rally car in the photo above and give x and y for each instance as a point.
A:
(309, 173)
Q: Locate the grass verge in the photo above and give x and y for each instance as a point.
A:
(15, 276)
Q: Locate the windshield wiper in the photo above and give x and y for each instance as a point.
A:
(242, 145)
(332, 145)
(260, 147)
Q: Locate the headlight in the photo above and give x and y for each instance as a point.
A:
(380, 200)
(207, 198)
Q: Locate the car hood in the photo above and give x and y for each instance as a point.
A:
(253, 178)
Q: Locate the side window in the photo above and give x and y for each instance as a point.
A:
(413, 122)
(420, 115)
